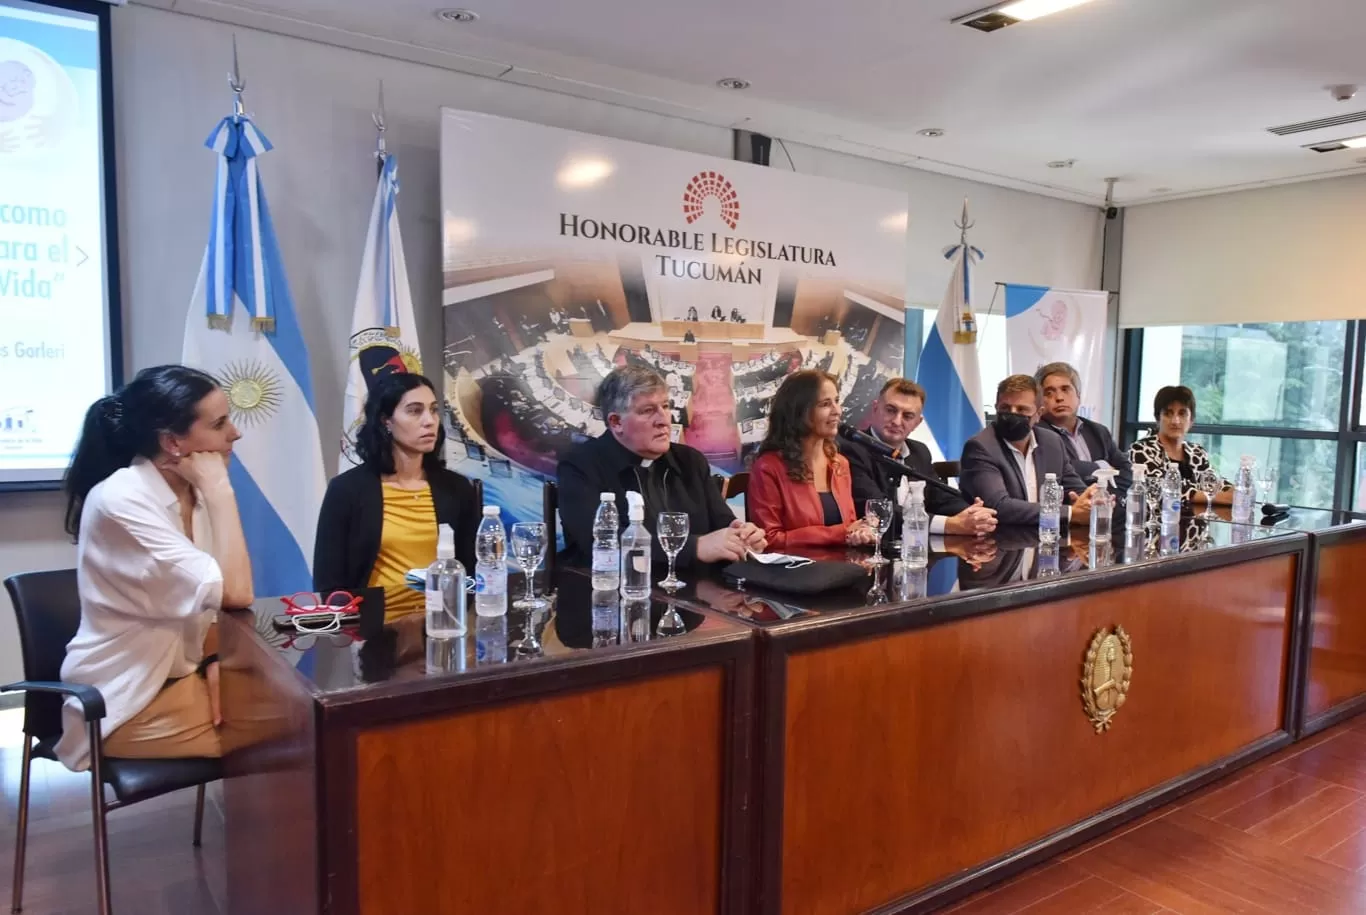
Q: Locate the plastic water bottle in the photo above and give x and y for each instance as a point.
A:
(490, 640)
(1135, 544)
(635, 621)
(635, 551)
(915, 528)
(1050, 509)
(1102, 507)
(491, 567)
(445, 590)
(445, 656)
(606, 545)
(1048, 559)
(1171, 499)
(1136, 500)
(606, 618)
(1244, 490)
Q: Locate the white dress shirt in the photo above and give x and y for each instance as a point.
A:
(1027, 468)
(1031, 475)
(148, 596)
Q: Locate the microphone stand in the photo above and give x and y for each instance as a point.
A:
(908, 471)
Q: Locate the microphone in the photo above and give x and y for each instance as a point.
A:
(849, 433)
(883, 452)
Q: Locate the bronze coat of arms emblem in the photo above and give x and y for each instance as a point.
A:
(1105, 675)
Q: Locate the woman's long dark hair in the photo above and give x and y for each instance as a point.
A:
(374, 444)
(129, 424)
(789, 421)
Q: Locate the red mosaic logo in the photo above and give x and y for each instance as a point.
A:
(711, 184)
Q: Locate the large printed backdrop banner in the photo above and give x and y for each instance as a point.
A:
(567, 254)
(1059, 325)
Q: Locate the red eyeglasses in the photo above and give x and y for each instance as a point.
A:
(313, 614)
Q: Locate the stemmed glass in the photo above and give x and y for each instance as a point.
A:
(529, 541)
(1208, 483)
(1267, 476)
(672, 528)
(1154, 496)
(878, 514)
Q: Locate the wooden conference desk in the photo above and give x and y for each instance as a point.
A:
(902, 748)
(1334, 620)
(606, 773)
(913, 750)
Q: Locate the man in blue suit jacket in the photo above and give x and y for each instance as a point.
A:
(1005, 464)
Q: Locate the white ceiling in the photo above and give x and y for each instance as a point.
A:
(1171, 96)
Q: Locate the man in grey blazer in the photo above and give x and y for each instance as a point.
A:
(1005, 464)
(1089, 444)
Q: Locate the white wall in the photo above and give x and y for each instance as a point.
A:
(1292, 252)
(314, 101)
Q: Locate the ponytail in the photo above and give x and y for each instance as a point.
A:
(128, 424)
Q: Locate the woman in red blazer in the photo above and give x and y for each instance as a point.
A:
(799, 491)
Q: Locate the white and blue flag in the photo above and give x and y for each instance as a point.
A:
(242, 329)
(383, 332)
(948, 370)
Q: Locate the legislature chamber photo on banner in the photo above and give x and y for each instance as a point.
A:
(567, 254)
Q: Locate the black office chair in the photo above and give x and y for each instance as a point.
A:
(48, 610)
(550, 504)
(948, 470)
(478, 493)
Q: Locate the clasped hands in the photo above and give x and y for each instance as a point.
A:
(730, 544)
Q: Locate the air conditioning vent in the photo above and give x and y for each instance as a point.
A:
(1285, 130)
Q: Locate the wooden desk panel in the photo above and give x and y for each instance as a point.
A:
(271, 777)
(1337, 644)
(609, 801)
(912, 756)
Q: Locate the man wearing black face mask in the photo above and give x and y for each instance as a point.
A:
(1005, 464)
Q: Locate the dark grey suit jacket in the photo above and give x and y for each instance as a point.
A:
(1102, 446)
(991, 474)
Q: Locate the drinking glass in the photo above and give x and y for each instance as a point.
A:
(528, 549)
(1208, 483)
(878, 514)
(1154, 496)
(1267, 476)
(529, 645)
(672, 528)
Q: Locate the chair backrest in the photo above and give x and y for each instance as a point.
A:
(47, 607)
(736, 485)
(478, 493)
(948, 470)
(550, 505)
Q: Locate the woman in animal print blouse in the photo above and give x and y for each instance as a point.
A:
(1174, 409)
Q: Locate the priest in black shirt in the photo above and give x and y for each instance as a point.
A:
(897, 412)
(637, 453)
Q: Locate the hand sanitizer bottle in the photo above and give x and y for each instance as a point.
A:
(635, 551)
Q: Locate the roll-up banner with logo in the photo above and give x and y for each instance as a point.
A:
(566, 254)
(1046, 325)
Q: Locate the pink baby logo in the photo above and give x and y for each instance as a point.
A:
(711, 184)
(1054, 320)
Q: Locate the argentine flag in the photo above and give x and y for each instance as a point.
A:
(241, 328)
(949, 371)
(383, 332)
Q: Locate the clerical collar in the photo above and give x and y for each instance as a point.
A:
(646, 462)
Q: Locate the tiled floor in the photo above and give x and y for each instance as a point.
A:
(1284, 837)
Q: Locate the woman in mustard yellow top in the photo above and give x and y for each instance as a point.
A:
(379, 520)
